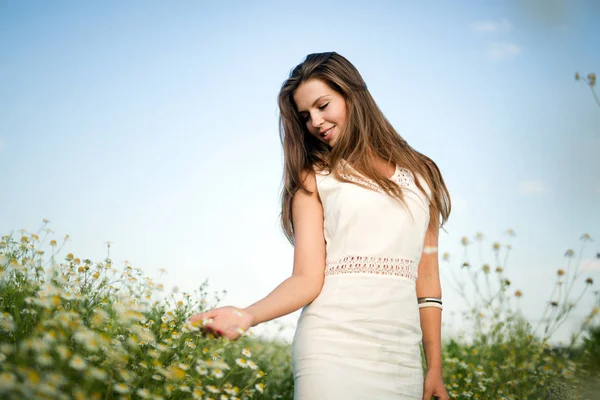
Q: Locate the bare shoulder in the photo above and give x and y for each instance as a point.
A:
(307, 217)
(305, 204)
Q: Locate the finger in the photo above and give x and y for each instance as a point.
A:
(210, 330)
(203, 316)
(427, 395)
(198, 317)
(215, 326)
(194, 318)
(210, 314)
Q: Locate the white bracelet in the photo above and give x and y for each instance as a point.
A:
(431, 304)
(430, 250)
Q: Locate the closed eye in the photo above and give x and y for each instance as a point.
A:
(306, 116)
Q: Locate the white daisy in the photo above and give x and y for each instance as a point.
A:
(121, 388)
(212, 389)
(252, 365)
(260, 387)
(98, 374)
(201, 370)
(7, 381)
(77, 363)
(143, 393)
(218, 373)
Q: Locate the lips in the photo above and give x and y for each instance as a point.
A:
(327, 133)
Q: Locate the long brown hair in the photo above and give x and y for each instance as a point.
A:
(367, 134)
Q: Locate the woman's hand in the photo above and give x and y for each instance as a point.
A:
(434, 386)
(229, 322)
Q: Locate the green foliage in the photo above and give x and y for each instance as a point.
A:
(507, 357)
(83, 330)
(514, 365)
(591, 348)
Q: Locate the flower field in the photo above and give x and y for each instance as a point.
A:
(81, 329)
(72, 328)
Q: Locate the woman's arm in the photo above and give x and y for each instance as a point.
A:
(428, 285)
(295, 292)
(309, 259)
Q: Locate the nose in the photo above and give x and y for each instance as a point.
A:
(316, 120)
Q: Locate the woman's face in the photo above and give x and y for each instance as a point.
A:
(322, 109)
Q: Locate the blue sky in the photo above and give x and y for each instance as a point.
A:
(154, 126)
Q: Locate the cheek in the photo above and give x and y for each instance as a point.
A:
(339, 112)
(341, 116)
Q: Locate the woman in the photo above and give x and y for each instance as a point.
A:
(363, 210)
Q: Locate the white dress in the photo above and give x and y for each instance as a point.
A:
(359, 339)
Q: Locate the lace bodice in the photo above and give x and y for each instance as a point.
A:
(402, 176)
(368, 231)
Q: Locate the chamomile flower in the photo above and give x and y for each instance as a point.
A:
(143, 393)
(126, 375)
(183, 366)
(231, 390)
(216, 364)
(121, 388)
(77, 363)
(98, 374)
(217, 373)
(7, 323)
(201, 370)
(252, 365)
(212, 389)
(7, 381)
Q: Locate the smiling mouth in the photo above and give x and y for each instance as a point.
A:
(327, 134)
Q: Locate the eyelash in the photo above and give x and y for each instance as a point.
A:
(307, 116)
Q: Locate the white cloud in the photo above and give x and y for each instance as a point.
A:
(590, 265)
(531, 187)
(486, 26)
(502, 51)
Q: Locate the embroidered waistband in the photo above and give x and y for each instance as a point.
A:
(372, 265)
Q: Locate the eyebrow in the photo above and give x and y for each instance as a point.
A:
(313, 104)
